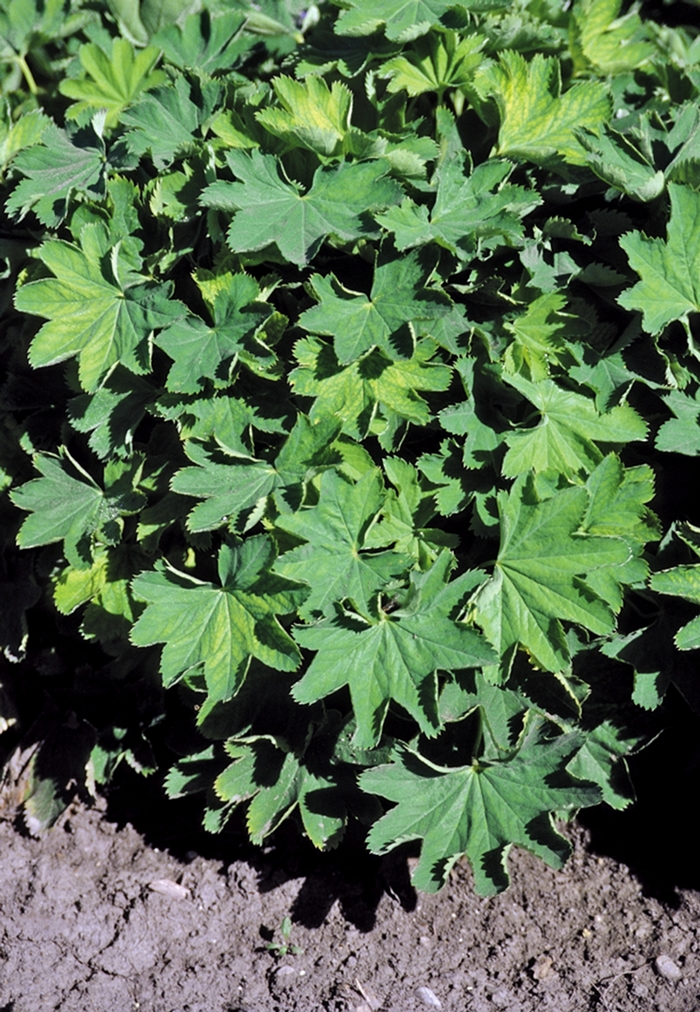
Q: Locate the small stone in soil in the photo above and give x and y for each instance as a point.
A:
(502, 998)
(542, 967)
(665, 967)
(429, 997)
(166, 887)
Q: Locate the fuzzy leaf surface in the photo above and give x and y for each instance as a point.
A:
(271, 210)
(539, 578)
(91, 314)
(669, 269)
(394, 654)
(478, 810)
(72, 509)
(54, 169)
(384, 319)
(334, 562)
(218, 628)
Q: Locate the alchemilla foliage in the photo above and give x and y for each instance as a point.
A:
(351, 385)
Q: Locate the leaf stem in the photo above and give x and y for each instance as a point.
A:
(28, 76)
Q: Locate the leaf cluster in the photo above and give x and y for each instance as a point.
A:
(344, 347)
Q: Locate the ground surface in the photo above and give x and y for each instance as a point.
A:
(99, 915)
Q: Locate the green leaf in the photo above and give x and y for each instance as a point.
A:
(601, 760)
(538, 342)
(669, 269)
(207, 41)
(111, 82)
(91, 313)
(218, 628)
(537, 121)
(313, 116)
(204, 351)
(271, 210)
(402, 20)
(569, 427)
(113, 413)
(386, 318)
(72, 509)
(682, 581)
(170, 120)
(394, 654)
(603, 40)
(355, 394)
(55, 170)
(478, 810)
(435, 63)
(334, 561)
(405, 516)
(231, 486)
(471, 213)
(681, 434)
(618, 509)
(540, 575)
(618, 162)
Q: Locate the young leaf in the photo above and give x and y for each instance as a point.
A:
(91, 314)
(270, 210)
(313, 116)
(537, 121)
(394, 654)
(669, 269)
(219, 628)
(386, 318)
(478, 810)
(111, 82)
(435, 63)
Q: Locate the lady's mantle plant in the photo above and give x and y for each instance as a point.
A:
(341, 346)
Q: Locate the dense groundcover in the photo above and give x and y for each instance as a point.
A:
(349, 409)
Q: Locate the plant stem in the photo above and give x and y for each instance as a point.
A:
(28, 76)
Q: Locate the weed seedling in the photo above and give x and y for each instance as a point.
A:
(285, 948)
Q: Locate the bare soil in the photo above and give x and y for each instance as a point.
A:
(121, 907)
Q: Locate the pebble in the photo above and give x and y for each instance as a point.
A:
(501, 998)
(542, 968)
(665, 967)
(429, 997)
(166, 887)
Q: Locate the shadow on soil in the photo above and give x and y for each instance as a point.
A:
(349, 875)
(656, 838)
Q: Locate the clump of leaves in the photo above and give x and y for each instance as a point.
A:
(343, 347)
